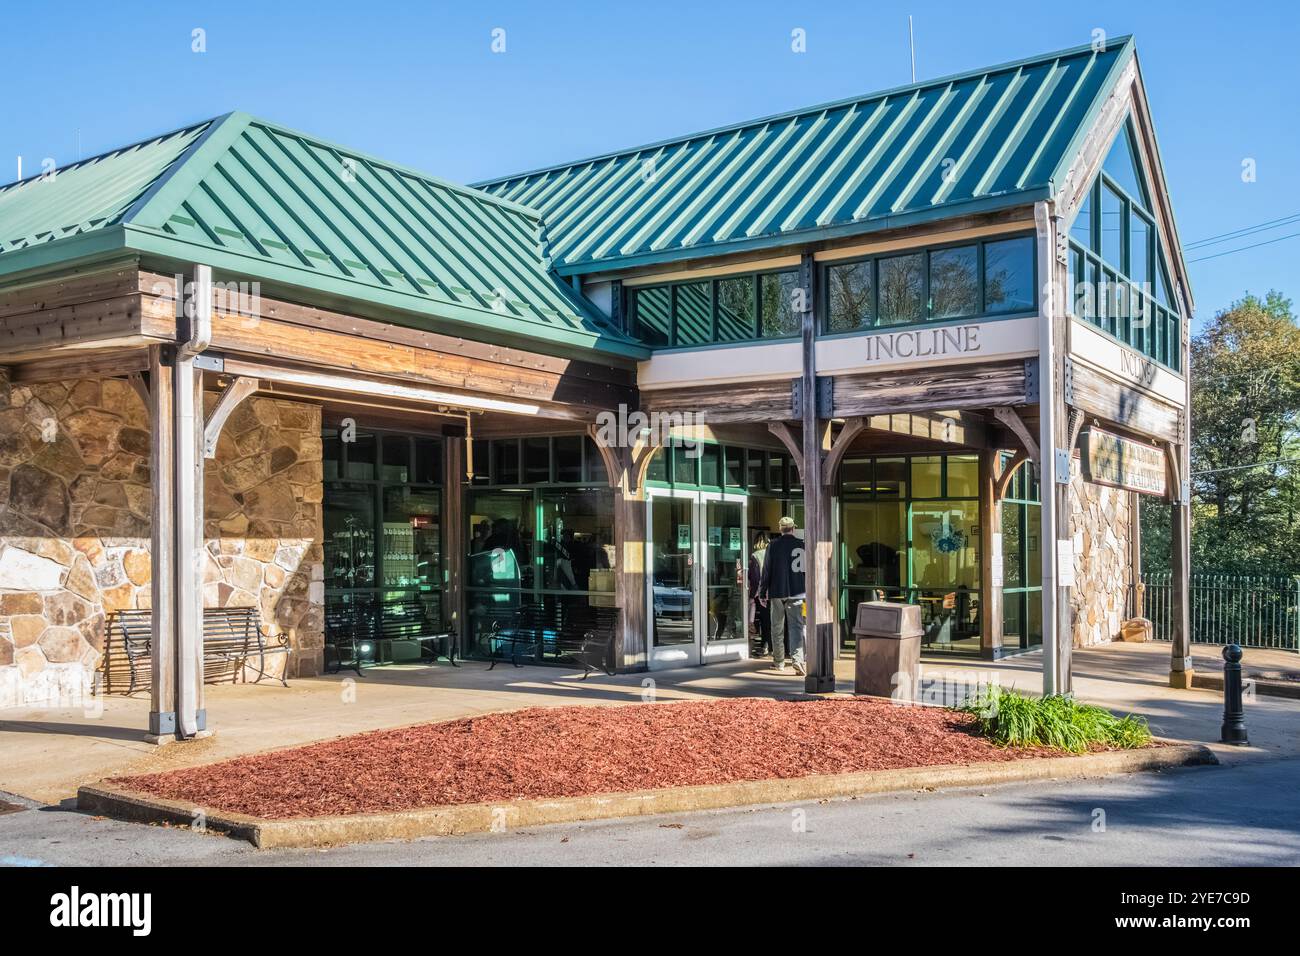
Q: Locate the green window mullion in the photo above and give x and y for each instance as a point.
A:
(756, 329)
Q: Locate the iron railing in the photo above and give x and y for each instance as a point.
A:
(1250, 610)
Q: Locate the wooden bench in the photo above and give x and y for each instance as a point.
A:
(581, 634)
(231, 635)
(349, 627)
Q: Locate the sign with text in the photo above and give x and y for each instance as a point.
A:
(1122, 463)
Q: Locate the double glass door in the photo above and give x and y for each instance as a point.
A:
(697, 593)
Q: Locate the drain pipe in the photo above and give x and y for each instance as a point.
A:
(191, 717)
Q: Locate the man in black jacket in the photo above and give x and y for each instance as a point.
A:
(782, 584)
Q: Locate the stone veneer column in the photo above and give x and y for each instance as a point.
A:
(1100, 518)
(75, 528)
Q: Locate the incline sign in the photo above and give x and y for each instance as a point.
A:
(1122, 463)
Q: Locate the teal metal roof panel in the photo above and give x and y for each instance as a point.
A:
(89, 195)
(993, 137)
(263, 202)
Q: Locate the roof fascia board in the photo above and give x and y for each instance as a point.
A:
(1158, 183)
(816, 234)
(62, 254)
(174, 249)
(165, 196)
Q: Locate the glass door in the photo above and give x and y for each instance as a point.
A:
(724, 584)
(697, 589)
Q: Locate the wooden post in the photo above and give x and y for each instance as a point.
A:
(1054, 438)
(1180, 564)
(187, 512)
(990, 553)
(631, 651)
(1135, 554)
(820, 625)
(452, 521)
(162, 661)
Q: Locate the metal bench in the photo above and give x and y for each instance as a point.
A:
(581, 634)
(350, 627)
(231, 635)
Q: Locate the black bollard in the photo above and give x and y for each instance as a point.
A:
(1234, 712)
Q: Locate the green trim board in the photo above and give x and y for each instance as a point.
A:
(982, 140)
(262, 202)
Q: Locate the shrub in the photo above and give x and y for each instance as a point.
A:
(1059, 721)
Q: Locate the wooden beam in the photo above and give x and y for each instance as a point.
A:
(1096, 393)
(929, 389)
(74, 365)
(1011, 418)
(227, 402)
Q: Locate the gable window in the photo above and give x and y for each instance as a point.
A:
(1118, 273)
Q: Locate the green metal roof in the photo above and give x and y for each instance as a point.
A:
(977, 141)
(258, 201)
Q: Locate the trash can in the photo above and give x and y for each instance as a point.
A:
(888, 636)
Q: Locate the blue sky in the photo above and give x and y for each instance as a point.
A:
(418, 83)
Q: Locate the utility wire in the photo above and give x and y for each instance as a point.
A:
(1243, 231)
(1228, 252)
(1258, 464)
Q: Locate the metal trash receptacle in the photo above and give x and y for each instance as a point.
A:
(888, 637)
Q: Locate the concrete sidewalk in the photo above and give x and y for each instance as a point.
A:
(46, 754)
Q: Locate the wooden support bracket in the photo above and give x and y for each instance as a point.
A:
(785, 433)
(141, 386)
(237, 391)
(1011, 418)
(1003, 480)
(615, 459)
(830, 465)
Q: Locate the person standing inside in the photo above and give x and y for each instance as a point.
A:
(782, 585)
(758, 613)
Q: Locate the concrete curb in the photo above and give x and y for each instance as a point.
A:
(121, 803)
(1264, 686)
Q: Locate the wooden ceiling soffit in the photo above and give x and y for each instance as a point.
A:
(322, 382)
(950, 427)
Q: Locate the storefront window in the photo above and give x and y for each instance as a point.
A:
(1022, 562)
(382, 531)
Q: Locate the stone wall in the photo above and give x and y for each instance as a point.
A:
(74, 527)
(1099, 523)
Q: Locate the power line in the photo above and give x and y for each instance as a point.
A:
(1243, 231)
(1228, 252)
(1258, 464)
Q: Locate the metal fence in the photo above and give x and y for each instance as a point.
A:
(1250, 610)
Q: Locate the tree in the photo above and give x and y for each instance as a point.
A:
(1245, 439)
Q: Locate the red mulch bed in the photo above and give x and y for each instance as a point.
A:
(574, 751)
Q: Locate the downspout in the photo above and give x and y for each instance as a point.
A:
(188, 534)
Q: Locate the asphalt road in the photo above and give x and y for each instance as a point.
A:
(1216, 816)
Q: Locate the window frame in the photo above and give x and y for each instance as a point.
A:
(982, 313)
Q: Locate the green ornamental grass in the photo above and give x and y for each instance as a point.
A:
(1059, 721)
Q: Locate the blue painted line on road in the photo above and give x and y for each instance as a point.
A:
(22, 861)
